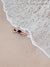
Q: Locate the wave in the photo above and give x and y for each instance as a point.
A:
(33, 16)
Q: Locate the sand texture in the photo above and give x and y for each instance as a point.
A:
(17, 50)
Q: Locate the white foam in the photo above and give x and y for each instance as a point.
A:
(31, 17)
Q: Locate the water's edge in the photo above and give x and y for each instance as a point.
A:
(32, 40)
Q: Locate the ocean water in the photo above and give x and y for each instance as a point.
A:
(33, 16)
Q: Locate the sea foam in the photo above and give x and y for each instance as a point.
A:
(33, 16)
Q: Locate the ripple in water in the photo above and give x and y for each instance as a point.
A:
(33, 16)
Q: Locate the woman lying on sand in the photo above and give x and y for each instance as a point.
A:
(20, 31)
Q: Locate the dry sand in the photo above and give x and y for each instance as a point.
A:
(17, 50)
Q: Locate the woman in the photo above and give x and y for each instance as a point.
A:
(20, 31)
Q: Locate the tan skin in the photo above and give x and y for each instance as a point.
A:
(20, 31)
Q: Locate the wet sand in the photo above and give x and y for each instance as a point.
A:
(17, 50)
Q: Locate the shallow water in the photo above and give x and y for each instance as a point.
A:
(33, 16)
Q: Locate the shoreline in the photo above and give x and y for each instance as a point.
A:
(16, 50)
(29, 36)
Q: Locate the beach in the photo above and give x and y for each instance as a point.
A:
(17, 50)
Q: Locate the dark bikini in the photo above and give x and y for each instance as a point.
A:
(19, 31)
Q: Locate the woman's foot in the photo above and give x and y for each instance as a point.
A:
(20, 31)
